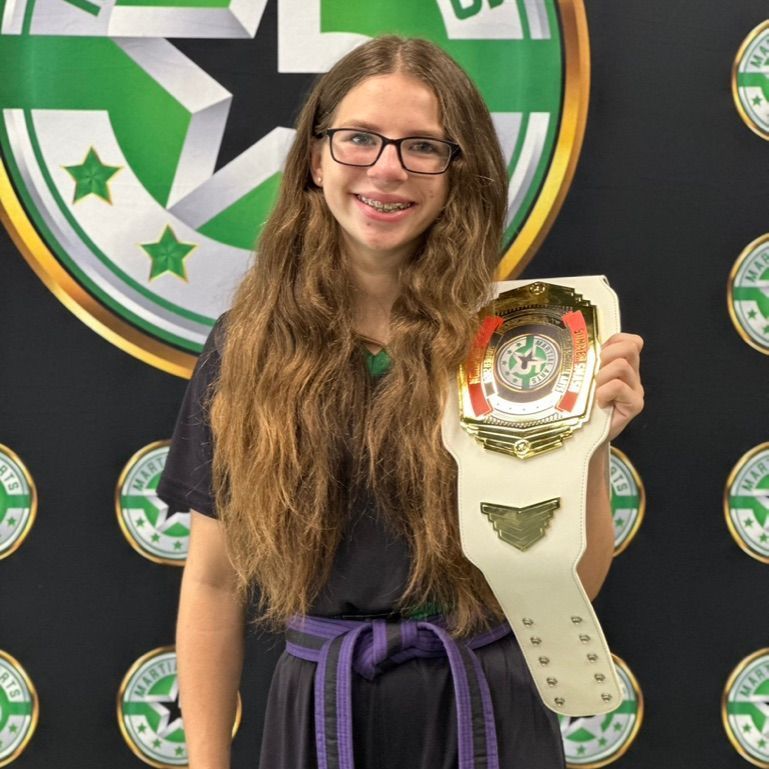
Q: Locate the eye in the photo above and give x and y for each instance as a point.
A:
(358, 138)
(420, 146)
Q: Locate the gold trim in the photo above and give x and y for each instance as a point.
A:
(751, 36)
(121, 691)
(739, 464)
(741, 665)
(9, 658)
(641, 498)
(32, 502)
(752, 246)
(633, 732)
(76, 299)
(138, 455)
(576, 47)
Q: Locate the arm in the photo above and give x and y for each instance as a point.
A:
(209, 646)
(618, 384)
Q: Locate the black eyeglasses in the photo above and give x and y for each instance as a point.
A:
(418, 154)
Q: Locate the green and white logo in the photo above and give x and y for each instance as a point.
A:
(748, 294)
(18, 502)
(529, 361)
(628, 499)
(745, 708)
(594, 741)
(138, 172)
(746, 502)
(18, 709)
(152, 529)
(148, 710)
(750, 80)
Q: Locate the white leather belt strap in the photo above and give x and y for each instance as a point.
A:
(537, 587)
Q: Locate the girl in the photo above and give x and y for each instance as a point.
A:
(329, 493)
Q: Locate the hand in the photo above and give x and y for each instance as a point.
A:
(618, 382)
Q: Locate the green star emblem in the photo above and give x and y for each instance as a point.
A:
(11, 521)
(764, 538)
(142, 728)
(180, 751)
(602, 742)
(13, 729)
(617, 727)
(747, 523)
(620, 521)
(757, 101)
(177, 545)
(156, 743)
(747, 728)
(581, 749)
(140, 522)
(91, 177)
(762, 744)
(766, 329)
(168, 255)
(156, 537)
(751, 314)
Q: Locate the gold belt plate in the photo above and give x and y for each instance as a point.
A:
(529, 379)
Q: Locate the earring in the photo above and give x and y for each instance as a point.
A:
(319, 180)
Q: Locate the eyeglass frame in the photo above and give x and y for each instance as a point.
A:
(329, 132)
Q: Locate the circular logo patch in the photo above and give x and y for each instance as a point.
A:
(528, 362)
(142, 213)
(18, 501)
(745, 708)
(18, 709)
(153, 529)
(748, 294)
(746, 502)
(628, 499)
(148, 711)
(750, 86)
(595, 741)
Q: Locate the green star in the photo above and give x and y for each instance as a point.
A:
(140, 522)
(762, 744)
(142, 728)
(756, 101)
(617, 727)
(177, 545)
(602, 741)
(91, 177)
(766, 329)
(620, 521)
(11, 521)
(748, 523)
(747, 728)
(179, 751)
(751, 314)
(13, 729)
(763, 538)
(156, 537)
(156, 744)
(581, 749)
(168, 255)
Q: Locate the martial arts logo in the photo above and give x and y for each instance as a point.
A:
(750, 81)
(18, 709)
(590, 742)
(18, 501)
(148, 710)
(529, 361)
(139, 172)
(152, 529)
(628, 499)
(745, 708)
(746, 502)
(748, 294)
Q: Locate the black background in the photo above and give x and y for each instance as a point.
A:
(670, 187)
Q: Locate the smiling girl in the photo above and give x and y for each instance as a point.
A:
(309, 445)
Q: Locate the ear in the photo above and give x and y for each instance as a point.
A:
(316, 157)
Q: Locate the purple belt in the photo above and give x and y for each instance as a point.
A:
(371, 647)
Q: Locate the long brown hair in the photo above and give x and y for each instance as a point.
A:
(297, 423)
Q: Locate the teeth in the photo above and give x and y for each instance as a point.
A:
(379, 206)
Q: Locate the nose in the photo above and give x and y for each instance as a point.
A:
(389, 165)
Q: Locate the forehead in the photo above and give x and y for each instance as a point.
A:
(395, 103)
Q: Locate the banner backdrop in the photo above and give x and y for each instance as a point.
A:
(116, 202)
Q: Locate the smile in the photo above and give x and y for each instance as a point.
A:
(386, 207)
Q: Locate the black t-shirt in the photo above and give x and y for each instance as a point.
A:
(372, 563)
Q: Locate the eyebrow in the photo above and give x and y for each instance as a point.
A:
(366, 126)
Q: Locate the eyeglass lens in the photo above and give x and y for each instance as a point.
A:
(419, 154)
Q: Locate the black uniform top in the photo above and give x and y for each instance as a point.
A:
(406, 717)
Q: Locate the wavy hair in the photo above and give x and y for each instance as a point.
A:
(298, 425)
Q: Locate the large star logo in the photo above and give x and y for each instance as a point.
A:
(168, 255)
(91, 177)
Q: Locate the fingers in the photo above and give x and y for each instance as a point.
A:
(618, 382)
(622, 345)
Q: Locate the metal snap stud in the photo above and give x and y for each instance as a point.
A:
(544, 661)
(560, 701)
(584, 638)
(576, 620)
(536, 640)
(552, 681)
(600, 677)
(592, 657)
(527, 621)
(606, 697)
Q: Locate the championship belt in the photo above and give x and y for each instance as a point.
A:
(522, 437)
